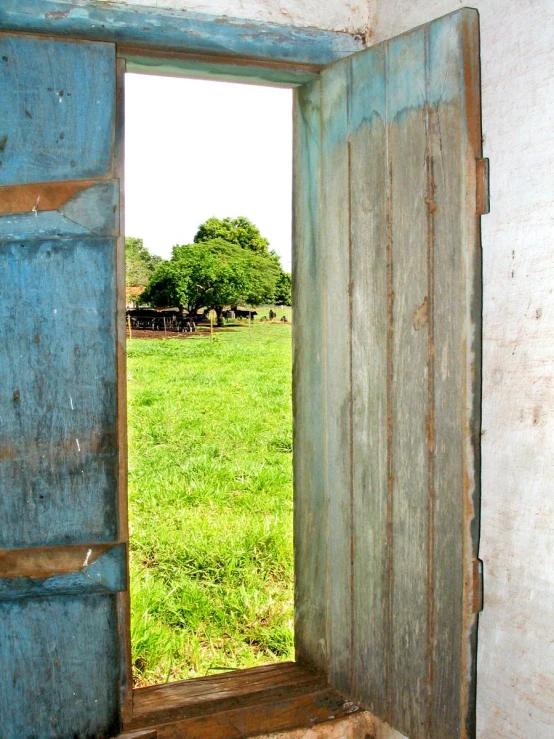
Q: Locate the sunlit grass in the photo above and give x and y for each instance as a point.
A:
(210, 496)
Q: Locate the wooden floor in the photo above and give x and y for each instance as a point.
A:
(236, 704)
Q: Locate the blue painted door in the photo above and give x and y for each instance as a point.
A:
(62, 528)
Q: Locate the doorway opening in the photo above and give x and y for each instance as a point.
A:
(209, 319)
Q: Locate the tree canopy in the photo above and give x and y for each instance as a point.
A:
(283, 290)
(212, 274)
(140, 265)
(238, 231)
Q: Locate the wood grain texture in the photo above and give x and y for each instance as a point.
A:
(398, 133)
(55, 127)
(91, 211)
(40, 562)
(334, 234)
(310, 495)
(169, 703)
(174, 64)
(36, 197)
(61, 646)
(406, 120)
(238, 704)
(177, 31)
(58, 446)
(369, 174)
(107, 573)
(58, 660)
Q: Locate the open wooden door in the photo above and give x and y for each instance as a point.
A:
(62, 481)
(387, 341)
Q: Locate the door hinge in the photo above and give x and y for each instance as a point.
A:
(482, 193)
(478, 586)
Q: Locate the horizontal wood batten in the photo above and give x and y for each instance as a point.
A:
(180, 31)
(41, 572)
(226, 69)
(35, 197)
(237, 704)
(48, 561)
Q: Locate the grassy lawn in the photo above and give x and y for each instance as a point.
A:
(210, 496)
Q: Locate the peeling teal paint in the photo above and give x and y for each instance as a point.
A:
(179, 31)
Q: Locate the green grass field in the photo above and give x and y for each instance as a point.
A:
(210, 497)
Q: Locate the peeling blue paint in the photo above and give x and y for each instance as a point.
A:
(179, 31)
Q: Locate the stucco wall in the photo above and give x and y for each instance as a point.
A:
(516, 657)
(333, 15)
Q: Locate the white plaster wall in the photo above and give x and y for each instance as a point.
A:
(333, 15)
(516, 656)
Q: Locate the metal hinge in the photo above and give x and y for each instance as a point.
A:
(482, 193)
(478, 586)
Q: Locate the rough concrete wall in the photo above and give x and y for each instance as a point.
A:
(333, 15)
(516, 657)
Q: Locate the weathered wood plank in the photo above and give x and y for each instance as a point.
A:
(60, 131)
(161, 704)
(58, 446)
(91, 211)
(36, 197)
(454, 149)
(447, 307)
(334, 250)
(310, 499)
(409, 403)
(369, 175)
(107, 573)
(164, 63)
(48, 561)
(123, 598)
(276, 713)
(59, 667)
(177, 31)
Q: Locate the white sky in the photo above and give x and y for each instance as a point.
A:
(194, 149)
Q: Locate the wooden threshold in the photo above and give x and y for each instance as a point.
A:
(237, 704)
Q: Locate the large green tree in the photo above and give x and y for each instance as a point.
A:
(140, 265)
(238, 231)
(212, 274)
(247, 235)
(283, 290)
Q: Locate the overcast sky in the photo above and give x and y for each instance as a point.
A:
(194, 149)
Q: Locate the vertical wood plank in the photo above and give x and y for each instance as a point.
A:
(409, 406)
(54, 106)
(335, 251)
(369, 173)
(446, 147)
(310, 499)
(454, 147)
(59, 666)
(123, 599)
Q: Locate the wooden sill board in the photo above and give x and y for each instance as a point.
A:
(237, 704)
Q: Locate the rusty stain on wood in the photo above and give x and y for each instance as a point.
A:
(421, 315)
